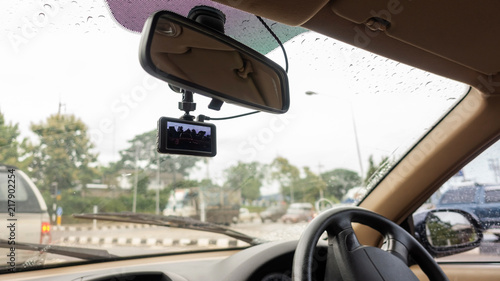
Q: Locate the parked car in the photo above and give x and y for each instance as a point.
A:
(24, 212)
(272, 213)
(483, 201)
(298, 212)
(247, 216)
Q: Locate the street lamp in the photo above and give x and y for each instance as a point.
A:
(311, 93)
(136, 177)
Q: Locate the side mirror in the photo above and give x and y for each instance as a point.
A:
(445, 232)
(202, 60)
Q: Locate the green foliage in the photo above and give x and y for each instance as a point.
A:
(247, 177)
(184, 184)
(13, 152)
(73, 202)
(63, 155)
(9, 146)
(308, 188)
(287, 175)
(110, 173)
(142, 151)
(207, 183)
(142, 182)
(143, 147)
(444, 234)
(339, 181)
(254, 209)
(312, 186)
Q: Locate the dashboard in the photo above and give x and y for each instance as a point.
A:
(266, 262)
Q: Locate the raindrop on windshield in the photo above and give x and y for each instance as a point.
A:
(47, 7)
(89, 19)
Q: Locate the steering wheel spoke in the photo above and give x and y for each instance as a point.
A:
(397, 249)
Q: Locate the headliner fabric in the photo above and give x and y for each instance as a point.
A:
(240, 25)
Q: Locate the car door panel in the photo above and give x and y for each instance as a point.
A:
(465, 271)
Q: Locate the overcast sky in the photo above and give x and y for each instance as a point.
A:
(77, 55)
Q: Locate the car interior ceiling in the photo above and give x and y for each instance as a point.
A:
(463, 55)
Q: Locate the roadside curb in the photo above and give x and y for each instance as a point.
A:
(103, 228)
(138, 241)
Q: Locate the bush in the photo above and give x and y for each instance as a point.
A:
(72, 202)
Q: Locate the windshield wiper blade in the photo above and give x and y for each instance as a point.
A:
(74, 252)
(171, 221)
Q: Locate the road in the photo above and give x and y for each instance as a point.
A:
(124, 239)
(266, 231)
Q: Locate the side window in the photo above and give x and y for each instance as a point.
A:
(476, 191)
(463, 195)
(26, 201)
(492, 195)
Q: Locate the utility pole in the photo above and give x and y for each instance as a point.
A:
(495, 167)
(321, 192)
(61, 105)
(357, 142)
(207, 176)
(54, 192)
(136, 177)
(310, 93)
(158, 181)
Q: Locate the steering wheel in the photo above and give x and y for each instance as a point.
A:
(347, 259)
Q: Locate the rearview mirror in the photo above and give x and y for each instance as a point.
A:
(199, 59)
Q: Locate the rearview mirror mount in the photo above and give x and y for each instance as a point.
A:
(200, 59)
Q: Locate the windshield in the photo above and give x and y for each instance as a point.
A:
(78, 116)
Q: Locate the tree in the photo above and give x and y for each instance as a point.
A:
(10, 147)
(207, 183)
(111, 173)
(339, 181)
(287, 175)
(311, 186)
(142, 157)
(247, 177)
(184, 184)
(144, 147)
(142, 182)
(63, 155)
